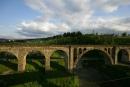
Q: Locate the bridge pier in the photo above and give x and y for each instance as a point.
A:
(47, 63)
(116, 59)
(22, 53)
(116, 56)
(21, 65)
(71, 59)
(21, 62)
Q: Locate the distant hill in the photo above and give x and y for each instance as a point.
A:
(4, 40)
(74, 38)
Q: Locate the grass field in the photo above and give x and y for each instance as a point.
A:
(35, 76)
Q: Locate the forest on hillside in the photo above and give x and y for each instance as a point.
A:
(77, 38)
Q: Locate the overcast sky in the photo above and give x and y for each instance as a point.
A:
(43, 18)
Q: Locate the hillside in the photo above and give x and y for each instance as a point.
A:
(76, 38)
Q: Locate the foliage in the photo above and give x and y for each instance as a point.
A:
(124, 34)
(75, 38)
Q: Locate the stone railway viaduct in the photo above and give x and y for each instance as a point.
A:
(74, 53)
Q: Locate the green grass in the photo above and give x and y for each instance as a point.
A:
(3, 68)
(35, 76)
(34, 66)
(10, 66)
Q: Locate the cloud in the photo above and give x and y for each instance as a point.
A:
(41, 29)
(110, 5)
(61, 16)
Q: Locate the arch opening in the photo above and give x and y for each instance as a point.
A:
(123, 56)
(8, 63)
(80, 50)
(93, 58)
(109, 50)
(35, 61)
(59, 60)
(75, 54)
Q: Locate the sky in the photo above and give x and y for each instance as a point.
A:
(21, 19)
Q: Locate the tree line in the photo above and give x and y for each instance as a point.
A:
(77, 38)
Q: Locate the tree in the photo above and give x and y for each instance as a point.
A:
(124, 34)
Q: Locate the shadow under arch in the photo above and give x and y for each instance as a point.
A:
(123, 56)
(9, 62)
(59, 60)
(35, 61)
(93, 57)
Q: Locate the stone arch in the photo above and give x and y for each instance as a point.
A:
(106, 55)
(123, 56)
(58, 56)
(13, 52)
(36, 59)
(10, 60)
